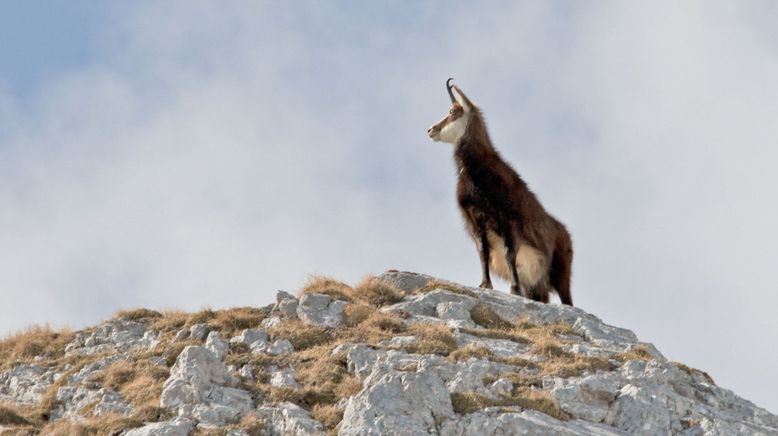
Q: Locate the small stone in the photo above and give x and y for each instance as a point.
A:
(288, 308)
(247, 371)
(179, 426)
(290, 419)
(199, 331)
(181, 335)
(271, 322)
(217, 345)
(280, 347)
(249, 337)
(502, 387)
(282, 295)
(284, 378)
(320, 310)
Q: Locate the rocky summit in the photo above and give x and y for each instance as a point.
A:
(400, 353)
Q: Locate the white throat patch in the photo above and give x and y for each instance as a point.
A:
(453, 131)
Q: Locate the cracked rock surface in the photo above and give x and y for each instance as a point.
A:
(402, 353)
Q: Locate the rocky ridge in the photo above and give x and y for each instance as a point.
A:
(401, 353)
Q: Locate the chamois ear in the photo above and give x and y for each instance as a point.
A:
(462, 98)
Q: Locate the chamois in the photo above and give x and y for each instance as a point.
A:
(515, 236)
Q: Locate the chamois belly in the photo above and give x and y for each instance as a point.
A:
(531, 263)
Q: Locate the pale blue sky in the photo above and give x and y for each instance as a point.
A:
(192, 154)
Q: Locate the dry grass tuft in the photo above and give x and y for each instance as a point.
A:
(434, 285)
(370, 291)
(386, 323)
(327, 414)
(327, 286)
(118, 374)
(104, 425)
(144, 387)
(507, 334)
(694, 371)
(639, 352)
(354, 314)
(431, 339)
(574, 366)
(377, 292)
(35, 341)
(230, 322)
(548, 347)
(301, 336)
(227, 321)
(253, 425)
(471, 351)
(11, 415)
(138, 315)
(486, 317)
(542, 401)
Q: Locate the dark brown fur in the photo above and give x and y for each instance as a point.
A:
(493, 198)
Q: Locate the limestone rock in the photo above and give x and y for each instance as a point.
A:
(250, 337)
(117, 334)
(217, 345)
(284, 378)
(288, 419)
(599, 376)
(25, 384)
(407, 282)
(397, 402)
(200, 386)
(320, 310)
(179, 426)
(199, 331)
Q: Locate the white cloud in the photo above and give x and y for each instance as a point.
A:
(219, 152)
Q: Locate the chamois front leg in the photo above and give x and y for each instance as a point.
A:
(510, 259)
(483, 252)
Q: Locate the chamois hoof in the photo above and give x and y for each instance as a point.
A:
(485, 285)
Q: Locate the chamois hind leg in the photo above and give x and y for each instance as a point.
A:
(483, 251)
(510, 259)
(538, 293)
(562, 268)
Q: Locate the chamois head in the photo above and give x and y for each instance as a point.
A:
(451, 128)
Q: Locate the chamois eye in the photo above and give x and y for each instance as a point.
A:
(451, 112)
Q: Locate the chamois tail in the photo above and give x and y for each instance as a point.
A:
(562, 266)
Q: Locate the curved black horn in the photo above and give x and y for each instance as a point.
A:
(448, 87)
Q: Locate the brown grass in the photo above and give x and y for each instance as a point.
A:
(301, 336)
(328, 414)
(12, 415)
(508, 334)
(138, 315)
(548, 347)
(27, 344)
(471, 351)
(227, 322)
(376, 292)
(104, 425)
(232, 321)
(692, 371)
(328, 286)
(542, 401)
(639, 352)
(370, 290)
(433, 285)
(118, 374)
(431, 339)
(574, 366)
(486, 317)
(355, 313)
